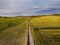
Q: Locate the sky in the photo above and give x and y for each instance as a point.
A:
(29, 7)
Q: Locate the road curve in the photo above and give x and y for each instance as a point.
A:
(31, 41)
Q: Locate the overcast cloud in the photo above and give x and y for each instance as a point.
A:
(29, 7)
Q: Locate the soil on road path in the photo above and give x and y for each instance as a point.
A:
(31, 41)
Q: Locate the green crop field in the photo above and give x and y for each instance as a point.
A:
(13, 31)
(46, 30)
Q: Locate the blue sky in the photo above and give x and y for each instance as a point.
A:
(29, 7)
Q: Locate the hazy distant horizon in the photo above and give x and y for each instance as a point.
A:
(28, 15)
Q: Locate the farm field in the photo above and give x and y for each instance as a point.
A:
(46, 30)
(13, 31)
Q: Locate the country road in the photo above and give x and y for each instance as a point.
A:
(31, 41)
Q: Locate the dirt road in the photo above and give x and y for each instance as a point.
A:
(31, 41)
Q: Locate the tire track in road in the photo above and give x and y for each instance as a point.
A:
(30, 40)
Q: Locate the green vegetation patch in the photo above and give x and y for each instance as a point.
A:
(46, 30)
(16, 33)
(9, 22)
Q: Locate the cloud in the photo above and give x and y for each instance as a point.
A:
(9, 7)
(29, 7)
